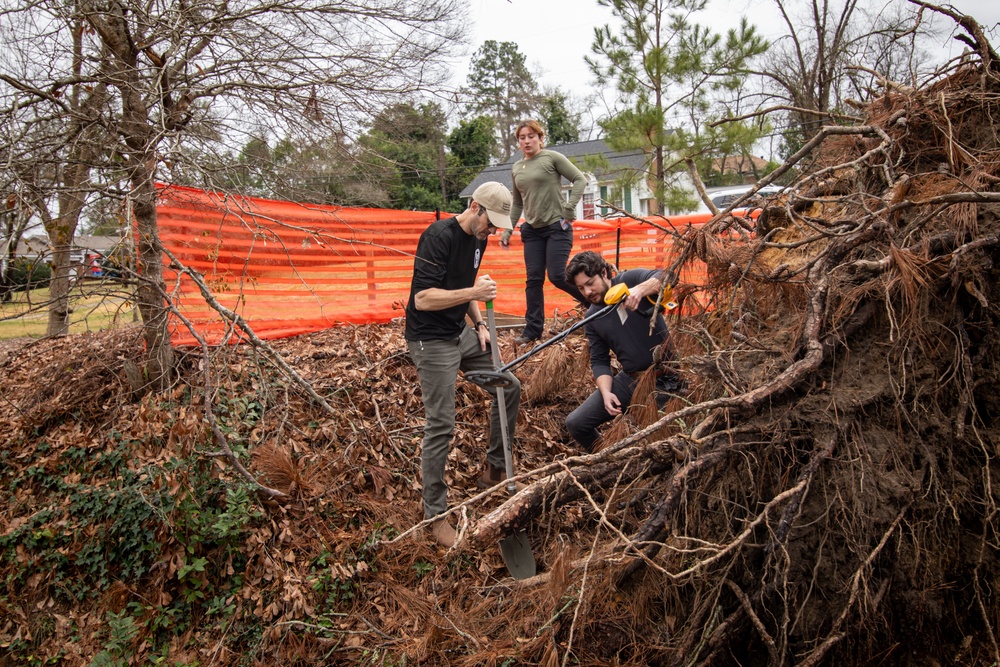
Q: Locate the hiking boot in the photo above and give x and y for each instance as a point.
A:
(492, 476)
(444, 533)
(526, 340)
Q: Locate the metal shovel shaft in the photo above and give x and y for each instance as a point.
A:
(508, 455)
(514, 547)
(496, 378)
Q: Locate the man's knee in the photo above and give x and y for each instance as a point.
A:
(668, 387)
(511, 390)
(573, 424)
(439, 422)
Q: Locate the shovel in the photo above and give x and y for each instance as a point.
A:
(515, 547)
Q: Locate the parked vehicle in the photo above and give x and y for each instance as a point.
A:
(110, 268)
(725, 195)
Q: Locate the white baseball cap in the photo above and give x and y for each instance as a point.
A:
(496, 199)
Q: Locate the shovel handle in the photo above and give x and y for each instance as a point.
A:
(491, 326)
(501, 403)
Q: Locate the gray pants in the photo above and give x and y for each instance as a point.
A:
(438, 363)
(582, 423)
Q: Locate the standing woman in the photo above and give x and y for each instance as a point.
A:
(547, 232)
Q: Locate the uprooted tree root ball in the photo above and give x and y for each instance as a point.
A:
(825, 492)
(830, 494)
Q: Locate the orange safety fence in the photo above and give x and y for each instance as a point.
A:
(290, 268)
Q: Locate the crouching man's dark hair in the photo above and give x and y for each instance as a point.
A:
(590, 263)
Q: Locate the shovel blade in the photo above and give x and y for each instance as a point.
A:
(517, 555)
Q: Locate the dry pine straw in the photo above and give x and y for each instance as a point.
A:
(350, 476)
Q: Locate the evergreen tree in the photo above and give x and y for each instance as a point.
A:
(562, 124)
(472, 144)
(500, 86)
(410, 140)
(664, 66)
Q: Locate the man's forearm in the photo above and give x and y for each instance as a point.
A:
(604, 384)
(648, 287)
(435, 298)
(474, 313)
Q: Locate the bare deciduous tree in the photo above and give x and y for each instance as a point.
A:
(15, 214)
(53, 135)
(813, 68)
(177, 74)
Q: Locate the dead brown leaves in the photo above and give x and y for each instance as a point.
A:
(352, 478)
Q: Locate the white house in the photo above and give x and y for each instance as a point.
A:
(604, 167)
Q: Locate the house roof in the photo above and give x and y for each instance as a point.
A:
(99, 243)
(740, 164)
(617, 162)
(33, 245)
(39, 245)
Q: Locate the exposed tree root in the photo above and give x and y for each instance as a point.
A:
(840, 438)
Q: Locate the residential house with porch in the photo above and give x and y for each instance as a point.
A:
(86, 255)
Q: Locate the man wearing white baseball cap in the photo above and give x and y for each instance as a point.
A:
(497, 200)
(444, 292)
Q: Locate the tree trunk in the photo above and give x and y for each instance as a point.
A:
(12, 232)
(141, 139)
(75, 187)
(59, 286)
(149, 262)
(62, 232)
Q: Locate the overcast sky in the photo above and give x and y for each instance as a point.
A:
(555, 35)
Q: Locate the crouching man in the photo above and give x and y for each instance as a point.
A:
(626, 333)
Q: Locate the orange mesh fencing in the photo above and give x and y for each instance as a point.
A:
(289, 268)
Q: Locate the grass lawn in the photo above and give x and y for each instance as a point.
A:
(96, 306)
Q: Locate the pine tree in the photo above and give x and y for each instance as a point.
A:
(668, 69)
(472, 141)
(500, 86)
(562, 124)
(411, 138)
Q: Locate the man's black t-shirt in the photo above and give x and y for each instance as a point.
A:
(447, 258)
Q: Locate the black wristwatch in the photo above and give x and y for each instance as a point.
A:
(478, 324)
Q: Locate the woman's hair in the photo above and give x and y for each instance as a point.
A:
(532, 125)
(590, 263)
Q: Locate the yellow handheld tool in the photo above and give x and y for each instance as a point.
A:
(496, 378)
(618, 292)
